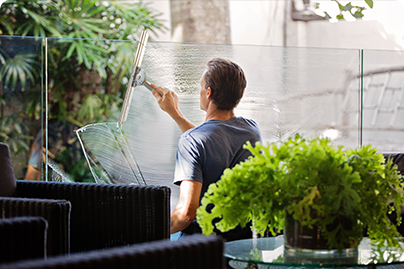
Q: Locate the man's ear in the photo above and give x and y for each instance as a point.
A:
(208, 92)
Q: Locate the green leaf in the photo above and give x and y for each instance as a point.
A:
(358, 14)
(71, 50)
(347, 7)
(370, 3)
(18, 128)
(27, 27)
(80, 51)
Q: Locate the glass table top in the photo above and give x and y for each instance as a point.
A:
(271, 251)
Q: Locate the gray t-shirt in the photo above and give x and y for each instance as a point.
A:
(205, 151)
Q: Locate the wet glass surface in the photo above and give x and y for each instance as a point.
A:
(383, 100)
(289, 91)
(313, 92)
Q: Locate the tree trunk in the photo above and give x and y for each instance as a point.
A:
(202, 21)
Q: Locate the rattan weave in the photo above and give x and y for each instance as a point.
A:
(107, 215)
(22, 238)
(193, 252)
(55, 212)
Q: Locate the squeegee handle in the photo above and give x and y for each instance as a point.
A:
(150, 88)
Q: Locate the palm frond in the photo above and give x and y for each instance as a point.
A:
(18, 68)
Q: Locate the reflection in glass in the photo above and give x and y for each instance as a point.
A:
(21, 103)
(383, 100)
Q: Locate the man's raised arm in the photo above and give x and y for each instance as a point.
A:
(168, 102)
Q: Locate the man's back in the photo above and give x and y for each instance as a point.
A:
(204, 152)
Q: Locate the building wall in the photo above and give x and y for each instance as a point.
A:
(359, 35)
(162, 7)
(258, 22)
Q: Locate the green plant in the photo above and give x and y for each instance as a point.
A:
(353, 10)
(316, 182)
(90, 56)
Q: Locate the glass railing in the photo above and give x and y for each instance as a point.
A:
(383, 99)
(310, 91)
(22, 103)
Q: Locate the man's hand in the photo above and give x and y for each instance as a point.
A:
(168, 102)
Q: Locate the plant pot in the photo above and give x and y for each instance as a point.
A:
(308, 245)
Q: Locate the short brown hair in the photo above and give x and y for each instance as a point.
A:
(227, 82)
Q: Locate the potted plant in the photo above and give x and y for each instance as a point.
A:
(337, 191)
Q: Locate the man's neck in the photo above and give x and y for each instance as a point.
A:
(218, 114)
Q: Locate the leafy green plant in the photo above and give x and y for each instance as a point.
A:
(90, 56)
(353, 10)
(317, 183)
(380, 255)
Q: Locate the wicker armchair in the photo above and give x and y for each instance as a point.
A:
(22, 238)
(101, 215)
(86, 216)
(196, 252)
(55, 212)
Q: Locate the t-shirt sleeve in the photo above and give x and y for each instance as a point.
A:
(188, 164)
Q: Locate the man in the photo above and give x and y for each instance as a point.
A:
(205, 151)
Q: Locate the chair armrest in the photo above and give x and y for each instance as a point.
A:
(22, 238)
(55, 212)
(108, 215)
(196, 252)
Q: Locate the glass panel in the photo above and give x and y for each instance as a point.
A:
(313, 92)
(84, 86)
(21, 99)
(383, 100)
(290, 90)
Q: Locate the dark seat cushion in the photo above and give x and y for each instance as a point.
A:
(7, 178)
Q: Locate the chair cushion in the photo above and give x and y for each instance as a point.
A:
(7, 178)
